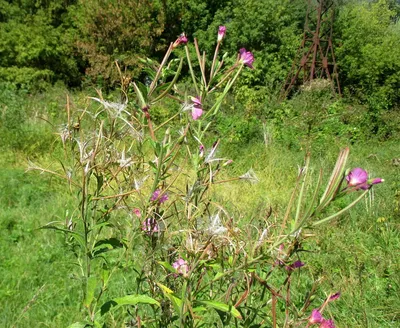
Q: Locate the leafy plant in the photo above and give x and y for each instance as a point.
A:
(145, 207)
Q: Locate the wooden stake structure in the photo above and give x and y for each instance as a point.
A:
(315, 57)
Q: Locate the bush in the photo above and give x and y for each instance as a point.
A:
(368, 44)
(27, 78)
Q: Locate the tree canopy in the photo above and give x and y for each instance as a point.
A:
(44, 41)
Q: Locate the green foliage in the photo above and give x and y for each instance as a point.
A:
(362, 263)
(312, 117)
(119, 31)
(236, 239)
(23, 117)
(36, 44)
(369, 41)
(270, 29)
(27, 78)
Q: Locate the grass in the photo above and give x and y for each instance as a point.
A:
(355, 254)
(36, 285)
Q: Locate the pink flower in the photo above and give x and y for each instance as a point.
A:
(137, 212)
(334, 297)
(221, 33)
(316, 317)
(229, 161)
(197, 109)
(375, 181)
(356, 177)
(246, 57)
(181, 266)
(150, 226)
(182, 39)
(201, 151)
(295, 265)
(327, 324)
(156, 196)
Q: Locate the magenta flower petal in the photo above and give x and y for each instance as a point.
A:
(196, 101)
(221, 33)
(316, 317)
(181, 40)
(197, 108)
(196, 113)
(327, 324)
(246, 57)
(295, 265)
(334, 297)
(150, 226)
(163, 198)
(181, 266)
(357, 177)
(137, 212)
(156, 196)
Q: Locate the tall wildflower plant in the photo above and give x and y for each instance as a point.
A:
(145, 211)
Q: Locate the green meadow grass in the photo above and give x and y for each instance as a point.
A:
(356, 254)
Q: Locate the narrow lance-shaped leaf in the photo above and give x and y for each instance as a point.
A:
(176, 301)
(334, 180)
(139, 95)
(171, 84)
(91, 284)
(222, 307)
(127, 300)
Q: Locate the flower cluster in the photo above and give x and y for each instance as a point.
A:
(150, 226)
(316, 315)
(181, 267)
(317, 318)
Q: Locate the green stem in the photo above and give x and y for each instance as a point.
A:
(157, 76)
(301, 195)
(201, 62)
(214, 60)
(341, 211)
(191, 70)
(183, 298)
(171, 84)
(214, 109)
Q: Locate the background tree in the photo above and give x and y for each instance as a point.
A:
(368, 37)
(36, 43)
(117, 30)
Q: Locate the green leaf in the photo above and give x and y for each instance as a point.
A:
(222, 307)
(106, 245)
(218, 275)
(176, 301)
(199, 309)
(90, 287)
(79, 325)
(167, 266)
(139, 94)
(77, 236)
(127, 300)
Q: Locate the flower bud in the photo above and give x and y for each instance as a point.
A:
(221, 33)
